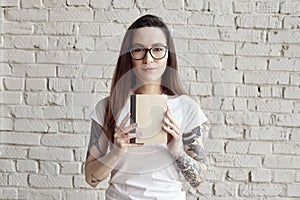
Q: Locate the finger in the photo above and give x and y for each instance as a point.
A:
(171, 132)
(171, 118)
(129, 128)
(125, 120)
(170, 125)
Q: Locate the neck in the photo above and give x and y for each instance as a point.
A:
(149, 89)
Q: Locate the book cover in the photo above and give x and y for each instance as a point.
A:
(148, 111)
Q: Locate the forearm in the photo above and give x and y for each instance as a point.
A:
(97, 170)
(192, 170)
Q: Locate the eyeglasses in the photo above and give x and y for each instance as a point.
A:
(157, 52)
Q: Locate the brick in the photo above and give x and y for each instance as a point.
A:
(119, 16)
(80, 154)
(267, 7)
(284, 176)
(237, 147)
(100, 4)
(62, 42)
(259, 49)
(12, 98)
(215, 174)
(18, 56)
(261, 148)
(247, 91)
(33, 70)
(111, 30)
(289, 7)
(263, 189)
(31, 4)
(29, 166)
(7, 166)
(281, 161)
(290, 149)
(17, 28)
(76, 2)
(284, 64)
(13, 83)
(288, 120)
(261, 175)
(227, 90)
(5, 69)
(54, 112)
(121, 4)
(295, 136)
(201, 19)
(44, 181)
(200, 89)
(225, 189)
(82, 85)
(251, 64)
(79, 194)
(238, 175)
(8, 193)
(239, 104)
(268, 133)
(193, 5)
(259, 21)
(51, 154)
(291, 93)
(226, 132)
(54, 28)
(291, 22)
(90, 29)
(33, 125)
(3, 179)
(60, 85)
(227, 76)
(9, 3)
(13, 152)
(291, 51)
(226, 20)
(102, 86)
(284, 36)
(59, 57)
(25, 42)
(293, 190)
(242, 118)
(36, 84)
(54, 4)
(276, 106)
(71, 15)
(243, 7)
(71, 168)
(63, 140)
(147, 4)
(295, 79)
(18, 180)
(231, 160)
(49, 168)
(21, 15)
(213, 146)
(45, 194)
(66, 71)
(20, 138)
(266, 78)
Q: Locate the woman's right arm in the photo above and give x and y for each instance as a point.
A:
(98, 164)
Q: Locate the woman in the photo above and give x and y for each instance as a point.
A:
(146, 65)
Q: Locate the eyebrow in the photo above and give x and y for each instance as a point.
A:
(155, 44)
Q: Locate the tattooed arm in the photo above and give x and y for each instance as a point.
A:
(191, 161)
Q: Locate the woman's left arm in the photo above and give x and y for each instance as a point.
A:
(191, 161)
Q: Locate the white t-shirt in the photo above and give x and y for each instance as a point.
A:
(149, 172)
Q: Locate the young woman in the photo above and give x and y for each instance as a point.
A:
(146, 65)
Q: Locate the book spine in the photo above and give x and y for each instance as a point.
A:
(133, 114)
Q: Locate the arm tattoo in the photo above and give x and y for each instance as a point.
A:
(192, 162)
(97, 139)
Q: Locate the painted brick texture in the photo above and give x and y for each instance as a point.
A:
(239, 59)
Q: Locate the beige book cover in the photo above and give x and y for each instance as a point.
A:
(148, 111)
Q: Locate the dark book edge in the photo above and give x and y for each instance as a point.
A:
(133, 114)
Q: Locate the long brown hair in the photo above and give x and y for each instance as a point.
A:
(123, 79)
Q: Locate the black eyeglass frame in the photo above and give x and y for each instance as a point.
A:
(149, 50)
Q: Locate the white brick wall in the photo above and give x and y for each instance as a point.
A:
(239, 59)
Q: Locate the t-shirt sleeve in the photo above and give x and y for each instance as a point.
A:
(98, 113)
(194, 116)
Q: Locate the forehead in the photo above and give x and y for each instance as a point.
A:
(148, 36)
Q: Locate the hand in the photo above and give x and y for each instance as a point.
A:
(122, 137)
(174, 136)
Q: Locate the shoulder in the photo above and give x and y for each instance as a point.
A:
(102, 103)
(189, 102)
(98, 113)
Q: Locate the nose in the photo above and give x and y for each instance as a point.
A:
(148, 58)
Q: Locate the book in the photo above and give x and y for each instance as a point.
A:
(149, 111)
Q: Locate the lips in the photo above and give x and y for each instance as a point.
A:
(149, 68)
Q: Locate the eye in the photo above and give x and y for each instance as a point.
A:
(138, 49)
(158, 49)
